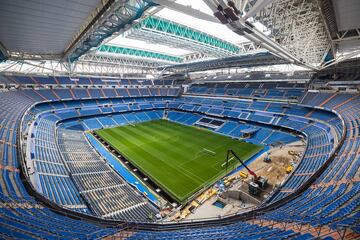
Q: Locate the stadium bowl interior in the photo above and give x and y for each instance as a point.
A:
(126, 120)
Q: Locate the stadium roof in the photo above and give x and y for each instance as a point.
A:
(245, 61)
(212, 29)
(348, 24)
(42, 26)
(153, 34)
(347, 14)
(51, 29)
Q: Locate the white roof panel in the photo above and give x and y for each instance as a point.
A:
(347, 14)
(42, 26)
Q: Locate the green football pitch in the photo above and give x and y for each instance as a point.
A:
(180, 159)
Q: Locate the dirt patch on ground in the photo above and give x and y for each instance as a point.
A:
(275, 171)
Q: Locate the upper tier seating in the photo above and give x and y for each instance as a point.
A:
(82, 81)
(335, 195)
(266, 90)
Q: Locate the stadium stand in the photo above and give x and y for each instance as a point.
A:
(181, 119)
(67, 81)
(21, 215)
(97, 181)
(71, 183)
(255, 90)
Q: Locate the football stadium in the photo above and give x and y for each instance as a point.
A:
(180, 119)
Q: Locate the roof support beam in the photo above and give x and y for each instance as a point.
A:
(120, 61)
(328, 15)
(343, 58)
(353, 34)
(90, 65)
(138, 53)
(162, 31)
(186, 10)
(228, 14)
(112, 17)
(259, 5)
(299, 27)
(241, 61)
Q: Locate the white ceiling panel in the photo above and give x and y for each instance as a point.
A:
(347, 14)
(42, 26)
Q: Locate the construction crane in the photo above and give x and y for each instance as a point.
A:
(257, 184)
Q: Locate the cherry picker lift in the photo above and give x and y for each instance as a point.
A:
(257, 183)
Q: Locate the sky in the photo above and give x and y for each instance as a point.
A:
(215, 29)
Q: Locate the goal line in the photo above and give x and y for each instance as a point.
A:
(206, 151)
(209, 151)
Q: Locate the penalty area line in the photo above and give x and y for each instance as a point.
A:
(222, 165)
